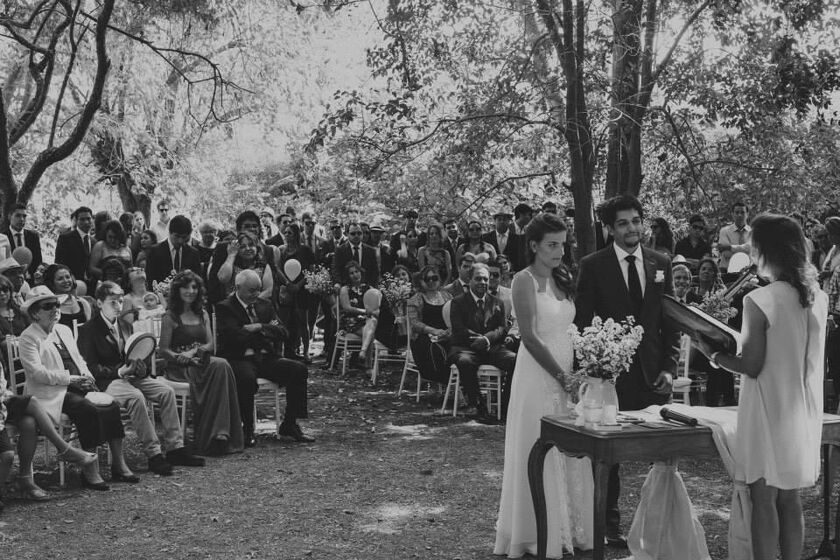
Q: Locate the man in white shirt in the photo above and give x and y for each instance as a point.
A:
(734, 238)
(161, 228)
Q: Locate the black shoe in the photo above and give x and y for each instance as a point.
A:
(292, 430)
(250, 440)
(93, 485)
(184, 458)
(117, 476)
(616, 540)
(159, 465)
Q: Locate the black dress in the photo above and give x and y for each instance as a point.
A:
(430, 357)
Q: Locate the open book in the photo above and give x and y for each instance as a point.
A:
(692, 321)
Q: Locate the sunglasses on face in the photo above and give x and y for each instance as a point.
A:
(355, 233)
(163, 209)
(495, 275)
(49, 306)
(698, 228)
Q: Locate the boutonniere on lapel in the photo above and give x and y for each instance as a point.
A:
(659, 277)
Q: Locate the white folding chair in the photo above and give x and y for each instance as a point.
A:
(683, 383)
(409, 365)
(382, 354)
(489, 379)
(347, 342)
(181, 389)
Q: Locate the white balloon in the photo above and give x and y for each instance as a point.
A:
(292, 268)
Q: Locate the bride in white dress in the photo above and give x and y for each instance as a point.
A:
(542, 304)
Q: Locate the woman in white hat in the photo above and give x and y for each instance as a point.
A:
(57, 375)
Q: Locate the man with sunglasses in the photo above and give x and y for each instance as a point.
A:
(694, 246)
(410, 225)
(335, 238)
(357, 251)
(161, 227)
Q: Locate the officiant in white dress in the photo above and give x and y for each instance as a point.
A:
(543, 305)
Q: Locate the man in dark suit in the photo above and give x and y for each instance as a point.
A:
(385, 257)
(357, 251)
(461, 284)
(102, 344)
(173, 255)
(73, 247)
(410, 225)
(479, 328)
(21, 237)
(621, 280)
(250, 334)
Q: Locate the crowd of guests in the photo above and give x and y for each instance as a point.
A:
(115, 277)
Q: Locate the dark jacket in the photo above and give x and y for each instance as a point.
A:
(234, 340)
(32, 241)
(70, 251)
(159, 262)
(100, 350)
(466, 322)
(343, 255)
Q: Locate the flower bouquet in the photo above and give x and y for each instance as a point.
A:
(603, 351)
(396, 292)
(318, 280)
(162, 288)
(717, 306)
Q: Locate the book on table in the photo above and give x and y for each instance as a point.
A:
(695, 322)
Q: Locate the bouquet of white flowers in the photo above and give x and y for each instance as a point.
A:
(604, 350)
(717, 306)
(318, 280)
(396, 291)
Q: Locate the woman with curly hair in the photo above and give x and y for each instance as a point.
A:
(244, 253)
(187, 346)
(60, 280)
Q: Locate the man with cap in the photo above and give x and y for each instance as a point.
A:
(73, 247)
(103, 342)
(267, 222)
(19, 236)
(410, 225)
(14, 271)
(174, 254)
(385, 258)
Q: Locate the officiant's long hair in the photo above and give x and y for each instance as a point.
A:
(780, 243)
(536, 229)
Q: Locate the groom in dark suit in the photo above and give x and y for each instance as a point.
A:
(625, 279)
(479, 327)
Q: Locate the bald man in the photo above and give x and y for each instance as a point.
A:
(250, 334)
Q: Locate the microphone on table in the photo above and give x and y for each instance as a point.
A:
(669, 414)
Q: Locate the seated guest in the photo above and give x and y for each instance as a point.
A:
(461, 285)
(694, 246)
(15, 272)
(58, 376)
(133, 302)
(173, 254)
(148, 239)
(429, 333)
(401, 273)
(112, 245)
(60, 280)
(708, 278)
(661, 238)
(682, 285)
(478, 332)
(29, 417)
(496, 289)
(102, 344)
(434, 252)
(474, 243)
(355, 319)
(249, 335)
(114, 270)
(12, 320)
(187, 346)
(246, 253)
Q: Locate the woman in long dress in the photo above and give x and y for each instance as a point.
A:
(544, 308)
(187, 345)
(780, 408)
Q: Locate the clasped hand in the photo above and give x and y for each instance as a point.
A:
(134, 369)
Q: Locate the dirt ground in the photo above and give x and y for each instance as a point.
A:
(387, 478)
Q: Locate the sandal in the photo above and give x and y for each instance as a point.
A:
(31, 491)
(77, 456)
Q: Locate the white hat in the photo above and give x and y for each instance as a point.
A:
(35, 295)
(268, 211)
(9, 263)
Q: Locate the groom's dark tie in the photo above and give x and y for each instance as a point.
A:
(634, 286)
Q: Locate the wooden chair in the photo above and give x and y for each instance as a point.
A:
(490, 379)
(347, 342)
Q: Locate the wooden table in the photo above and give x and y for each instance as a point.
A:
(636, 443)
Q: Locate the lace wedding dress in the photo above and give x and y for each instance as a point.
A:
(568, 482)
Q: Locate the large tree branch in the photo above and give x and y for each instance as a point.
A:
(74, 48)
(7, 179)
(51, 156)
(487, 192)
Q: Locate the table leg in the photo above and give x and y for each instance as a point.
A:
(601, 475)
(536, 465)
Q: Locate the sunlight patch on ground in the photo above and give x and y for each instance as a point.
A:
(413, 431)
(720, 513)
(493, 475)
(389, 518)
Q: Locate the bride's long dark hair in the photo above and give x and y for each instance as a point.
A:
(536, 230)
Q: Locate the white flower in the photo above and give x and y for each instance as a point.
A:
(660, 276)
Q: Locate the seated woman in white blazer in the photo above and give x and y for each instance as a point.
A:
(52, 364)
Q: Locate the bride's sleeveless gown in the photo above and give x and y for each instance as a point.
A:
(568, 482)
